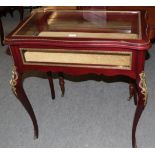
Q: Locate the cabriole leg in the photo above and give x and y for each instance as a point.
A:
(1, 32)
(50, 79)
(21, 12)
(16, 83)
(62, 83)
(142, 100)
(133, 92)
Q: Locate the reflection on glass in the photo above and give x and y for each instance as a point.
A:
(83, 24)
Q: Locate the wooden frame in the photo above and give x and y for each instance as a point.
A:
(136, 48)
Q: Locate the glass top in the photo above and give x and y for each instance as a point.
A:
(82, 24)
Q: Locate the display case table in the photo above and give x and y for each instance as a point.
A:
(80, 42)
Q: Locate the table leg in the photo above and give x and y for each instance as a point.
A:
(133, 92)
(142, 100)
(16, 83)
(50, 79)
(1, 32)
(62, 83)
(21, 12)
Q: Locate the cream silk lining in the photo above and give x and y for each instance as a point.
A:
(90, 35)
(115, 59)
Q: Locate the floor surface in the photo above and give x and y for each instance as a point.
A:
(91, 114)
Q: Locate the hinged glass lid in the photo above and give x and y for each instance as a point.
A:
(83, 24)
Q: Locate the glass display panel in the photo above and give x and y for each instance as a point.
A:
(78, 58)
(83, 24)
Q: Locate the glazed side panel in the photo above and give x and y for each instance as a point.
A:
(78, 70)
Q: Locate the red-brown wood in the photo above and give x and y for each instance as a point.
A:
(149, 9)
(21, 95)
(133, 92)
(62, 83)
(138, 48)
(50, 79)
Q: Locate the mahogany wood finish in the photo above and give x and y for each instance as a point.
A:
(50, 79)
(20, 42)
(133, 92)
(150, 13)
(139, 110)
(62, 83)
(19, 91)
